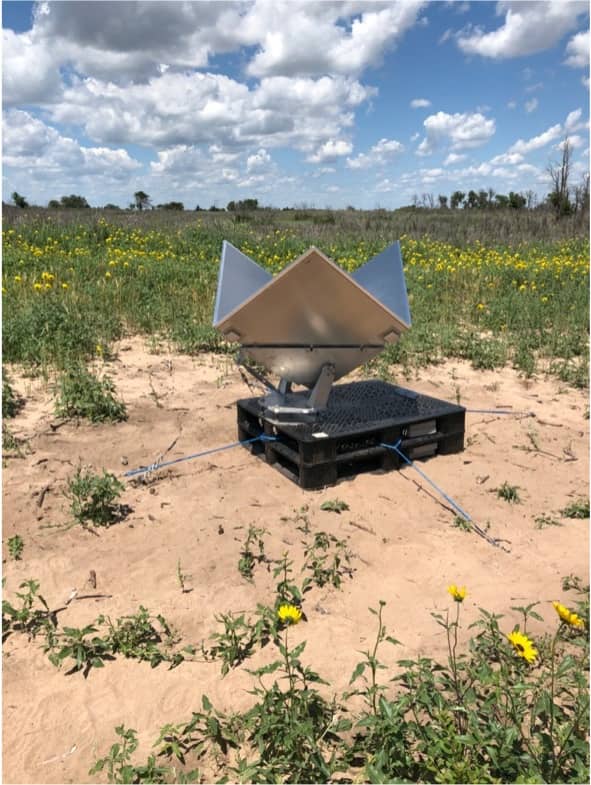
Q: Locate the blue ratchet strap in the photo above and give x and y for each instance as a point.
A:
(462, 513)
(154, 466)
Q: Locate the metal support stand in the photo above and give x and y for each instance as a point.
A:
(283, 405)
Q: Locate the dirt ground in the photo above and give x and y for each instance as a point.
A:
(406, 548)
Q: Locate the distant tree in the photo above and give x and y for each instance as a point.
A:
(471, 200)
(581, 195)
(198, 209)
(516, 201)
(491, 197)
(215, 209)
(74, 200)
(442, 201)
(502, 200)
(559, 177)
(482, 200)
(456, 199)
(110, 206)
(142, 200)
(243, 204)
(53, 204)
(19, 200)
(171, 206)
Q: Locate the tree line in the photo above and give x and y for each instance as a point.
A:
(564, 198)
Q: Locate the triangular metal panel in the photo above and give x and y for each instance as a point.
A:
(383, 277)
(239, 278)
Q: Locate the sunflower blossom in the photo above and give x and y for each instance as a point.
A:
(457, 592)
(289, 614)
(523, 646)
(568, 616)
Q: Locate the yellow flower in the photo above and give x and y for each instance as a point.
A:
(289, 614)
(48, 286)
(480, 306)
(99, 349)
(37, 286)
(65, 285)
(17, 279)
(457, 593)
(107, 274)
(523, 646)
(568, 616)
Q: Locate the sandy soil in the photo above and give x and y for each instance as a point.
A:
(406, 549)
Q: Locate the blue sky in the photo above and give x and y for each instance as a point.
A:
(319, 103)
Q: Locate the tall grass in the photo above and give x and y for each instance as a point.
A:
(493, 287)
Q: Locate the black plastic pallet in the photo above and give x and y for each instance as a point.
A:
(346, 438)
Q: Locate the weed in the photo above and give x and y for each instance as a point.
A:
(509, 493)
(182, 578)
(543, 521)
(462, 523)
(240, 637)
(93, 496)
(117, 762)
(249, 558)
(576, 509)
(76, 644)
(334, 505)
(11, 402)
(137, 637)
(81, 394)
(27, 618)
(327, 559)
(16, 545)
(11, 444)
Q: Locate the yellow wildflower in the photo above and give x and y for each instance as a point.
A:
(17, 279)
(289, 614)
(481, 306)
(65, 285)
(523, 646)
(37, 286)
(568, 616)
(459, 594)
(107, 274)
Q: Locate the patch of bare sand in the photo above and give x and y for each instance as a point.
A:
(406, 548)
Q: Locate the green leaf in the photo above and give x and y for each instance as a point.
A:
(359, 668)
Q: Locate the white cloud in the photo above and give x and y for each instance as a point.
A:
(454, 158)
(419, 103)
(330, 151)
(507, 158)
(202, 108)
(574, 141)
(314, 43)
(415, 136)
(458, 130)
(577, 50)
(536, 142)
(379, 154)
(511, 104)
(258, 161)
(573, 121)
(531, 105)
(46, 155)
(30, 73)
(528, 28)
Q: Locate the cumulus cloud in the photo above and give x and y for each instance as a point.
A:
(330, 151)
(420, 103)
(30, 144)
(507, 158)
(536, 142)
(527, 28)
(531, 105)
(377, 155)
(577, 50)
(458, 130)
(454, 158)
(30, 73)
(315, 43)
(258, 161)
(204, 108)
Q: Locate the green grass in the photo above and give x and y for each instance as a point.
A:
(73, 284)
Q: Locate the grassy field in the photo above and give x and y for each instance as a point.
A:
(502, 706)
(493, 288)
